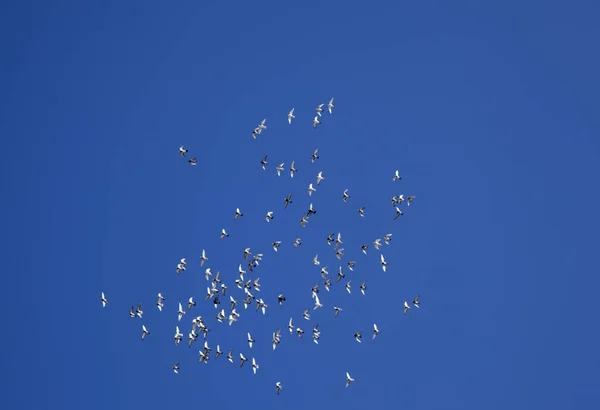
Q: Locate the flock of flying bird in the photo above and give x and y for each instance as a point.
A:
(218, 289)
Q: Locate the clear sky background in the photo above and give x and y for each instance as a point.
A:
(488, 109)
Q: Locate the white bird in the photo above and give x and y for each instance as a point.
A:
(293, 169)
(144, 332)
(377, 243)
(104, 300)
(306, 314)
(345, 196)
(320, 109)
(363, 287)
(316, 122)
(176, 368)
(324, 272)
(178, 336)
(383, 262)
(387, 238)
(238, 213)
(291, 116)
(317, 302)
(406, 307)
(364, 248)
(278, 387)
(224, 234)
(191, 303)
(330, 105)
(250, 340)
(242, 360)
(416, 301)
(193, 161)
(291, 326)
(276, 245)
(180, 312)
(264, 163)
(269, 216)
(182, 151)
(337, 310)
(241, 271)
(361, 211)
(348, 287)
(398, 213)
(311, 189)
(320, 177)
(207, 273)
(314, 156)
(316, 260)
(375, 330)
(203, 258)
(280, 168)
(254, 365)
(410, 199)
(262, 125)
(349, 379)
(230, 355)
(139, 311)
(396, 177)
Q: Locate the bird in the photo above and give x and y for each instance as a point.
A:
(281, 299)
(349, 379)
(320, 177)
(247, 253)
(264, 163)
(139, 312)
(180, 312)
(398, 213)
(182, 151)
(375, 330)
(242, 360)
(410, 199)
(193, 161)
(364, 248)
(280, 168)
(176, 368)
(230, 355)
(315, 156)
(406, 307)
(224, 234)
(377, 243)
(387, 238)
(327, 284)
(337, 310)
(311, 189)
(291, 116)
(383, 263)
(306, 314)
(262, 125)
(396, 177)
(351, 265)
(144, 332)
(320, 109)
(358, 336)
(363, 287)
(276, 245)
(203, 258)
(218, 352)
(291, 326)
(288, 200)
(278, 387)
(348, 287)
(269, 216)
(293, 169)
(316, 122)
(254, 365)
(191, 303)
(311, 210)
(304, 221)
(104, 300)
(416, 301)
(316, 260)
(250, 340)
(238, 213)
(361, 211)
(330, 105)
(345, 196)
(324, 272)
(297, 242)
(317, 303)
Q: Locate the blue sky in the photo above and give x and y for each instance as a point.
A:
(489, 111)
